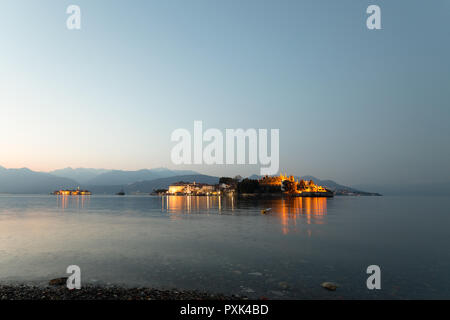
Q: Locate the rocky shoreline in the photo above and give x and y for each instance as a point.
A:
(30, 292)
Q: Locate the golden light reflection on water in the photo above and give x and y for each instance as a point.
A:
(204, 204)
(78, 202)
(288, 211)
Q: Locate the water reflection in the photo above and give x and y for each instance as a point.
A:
(289, 213)
(290, 210)
(287, 210)
(77, 202)
(204, 204)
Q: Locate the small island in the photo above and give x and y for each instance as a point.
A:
(68, 192)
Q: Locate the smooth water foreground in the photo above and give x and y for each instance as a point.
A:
(226, 245)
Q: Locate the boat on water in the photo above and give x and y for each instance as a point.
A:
(120, 193)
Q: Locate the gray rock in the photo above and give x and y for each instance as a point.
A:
(58, 281)
(330, 286)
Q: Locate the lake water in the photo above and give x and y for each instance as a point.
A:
(226, 245)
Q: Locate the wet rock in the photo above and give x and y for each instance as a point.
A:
(277, 293)
(247, 290)
(330, 286)
(58, 281)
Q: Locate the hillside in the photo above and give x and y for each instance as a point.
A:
(149, 185)
(121, 177)
(28, 181)
(81, 175)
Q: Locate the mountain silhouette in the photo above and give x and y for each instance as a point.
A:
(102, 181)
(27, 181)
(148, 186)
(121, 177)
(81, 175)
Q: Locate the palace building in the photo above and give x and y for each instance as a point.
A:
(290, 185)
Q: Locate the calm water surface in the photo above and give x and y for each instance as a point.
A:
(226, 245)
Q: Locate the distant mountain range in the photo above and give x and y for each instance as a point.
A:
(26, 181)
(103, 177)
(336, 187)
(148, 186)
(102, 181)
(96, 180)
(81, 175)
(119, 177)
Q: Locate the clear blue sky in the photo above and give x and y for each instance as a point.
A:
(351, 104)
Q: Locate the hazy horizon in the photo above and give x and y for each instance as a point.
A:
(369, 186)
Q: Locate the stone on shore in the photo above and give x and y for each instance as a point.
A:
(330, 286)
(59, 292)
(58, 281)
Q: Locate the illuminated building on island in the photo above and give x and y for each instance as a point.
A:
(193, 189)
(289, 185)
(76, 192)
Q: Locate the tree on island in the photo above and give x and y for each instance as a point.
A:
(248, 186)
(227, 180)
(232, 182)
(290, 186)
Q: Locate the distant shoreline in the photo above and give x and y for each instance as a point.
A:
(244, 195)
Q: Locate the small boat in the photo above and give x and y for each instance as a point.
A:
(120, 193)
(266, 211)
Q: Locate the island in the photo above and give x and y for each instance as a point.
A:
(282, 185)
(76, 192)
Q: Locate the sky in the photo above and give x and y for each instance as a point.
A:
(353, 105)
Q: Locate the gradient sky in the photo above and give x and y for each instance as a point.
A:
(351, 104)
